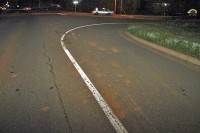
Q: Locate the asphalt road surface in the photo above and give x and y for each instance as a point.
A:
(42, 92)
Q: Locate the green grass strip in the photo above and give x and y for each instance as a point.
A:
(181, 37)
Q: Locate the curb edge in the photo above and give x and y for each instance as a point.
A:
(165, 50)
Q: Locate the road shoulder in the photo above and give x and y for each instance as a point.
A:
(167, 51)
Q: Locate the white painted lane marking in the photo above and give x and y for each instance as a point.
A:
(105, 107)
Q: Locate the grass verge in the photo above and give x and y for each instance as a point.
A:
(183, 37)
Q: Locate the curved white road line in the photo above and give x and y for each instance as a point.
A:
(105, 107)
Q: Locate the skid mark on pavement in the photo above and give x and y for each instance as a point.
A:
(114, 64)
(102, 49)
(115, 103)
(98, 74)
(96, 46)
(127, 82)
(45, 109)
(120, 75)
(115, 50)
(93, 44)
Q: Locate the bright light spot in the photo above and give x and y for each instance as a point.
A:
(192, 12)
(165, 4)
(75, 2)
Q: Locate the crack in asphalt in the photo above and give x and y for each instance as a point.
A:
(55, 84)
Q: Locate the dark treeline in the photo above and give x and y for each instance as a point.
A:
(157, 7)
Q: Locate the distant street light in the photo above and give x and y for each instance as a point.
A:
(165, 9)
(75, 3)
